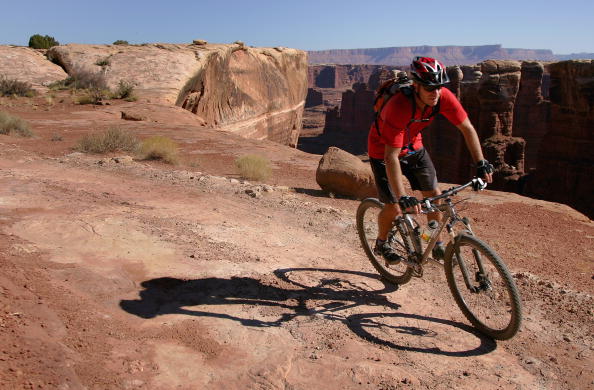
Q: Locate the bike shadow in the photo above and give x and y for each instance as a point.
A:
(293, 296)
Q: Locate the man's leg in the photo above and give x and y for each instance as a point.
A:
(385, 218)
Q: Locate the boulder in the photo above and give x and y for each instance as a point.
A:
(29, 65)
(342, 173)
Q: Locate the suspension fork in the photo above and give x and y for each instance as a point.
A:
(461, 263)
(481, 276)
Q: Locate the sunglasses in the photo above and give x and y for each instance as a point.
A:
(431, 88)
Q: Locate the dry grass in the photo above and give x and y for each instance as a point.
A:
(125, 90)
(10, 87)
(13, 124)
(111, 140)
(159, 148)
(253, 167)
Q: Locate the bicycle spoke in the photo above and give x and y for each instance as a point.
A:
(491, 302)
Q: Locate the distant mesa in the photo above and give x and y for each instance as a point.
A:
(449, 55)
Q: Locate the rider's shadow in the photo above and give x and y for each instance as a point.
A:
(173, 296)
(189, 297)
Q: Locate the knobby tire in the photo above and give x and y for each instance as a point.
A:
(367, 228)
(502, 299)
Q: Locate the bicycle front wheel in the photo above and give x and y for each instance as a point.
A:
(490, 301)
(367, 227)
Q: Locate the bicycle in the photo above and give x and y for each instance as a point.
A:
(479, 280)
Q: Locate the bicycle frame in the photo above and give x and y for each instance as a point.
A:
(448, 220)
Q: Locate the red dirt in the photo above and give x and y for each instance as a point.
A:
(141, 275)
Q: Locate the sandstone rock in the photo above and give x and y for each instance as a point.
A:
(254, 92)
(314, 98)
(133, 116)
(498, 88)
(29, 65)
(339, 76)
(199, 42)
(342, 173)
(565, 165)
(531, 111)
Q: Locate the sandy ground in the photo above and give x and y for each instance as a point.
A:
(124, 274)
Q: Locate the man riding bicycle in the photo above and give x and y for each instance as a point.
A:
(395, 148)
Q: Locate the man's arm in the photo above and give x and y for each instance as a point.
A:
(393, 170)
(473, 143)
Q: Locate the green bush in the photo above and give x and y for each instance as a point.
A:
(10, 87)
(111, 140)
(10, 124)
(253, 167)
(42, 42)
(121, 42)
(159, 148)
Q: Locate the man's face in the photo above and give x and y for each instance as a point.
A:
(428, 95)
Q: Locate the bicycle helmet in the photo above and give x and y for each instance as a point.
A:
(429, 71)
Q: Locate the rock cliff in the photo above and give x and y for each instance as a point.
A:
(254, 92)
(338, 76)
(565, 165)
(539, 147)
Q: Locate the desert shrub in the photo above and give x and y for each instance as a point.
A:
(42, 42)
(159, 148)
(13, 124)
(93, 96)
(103, 62)
(253, 167)
(10, 87)
(121, 42)
(111, 140)
(125, 90)
(82, 78)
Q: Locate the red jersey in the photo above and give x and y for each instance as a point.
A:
(394, 123)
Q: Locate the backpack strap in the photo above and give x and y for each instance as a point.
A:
(406, 91)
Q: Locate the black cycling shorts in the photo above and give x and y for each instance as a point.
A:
(418, 169)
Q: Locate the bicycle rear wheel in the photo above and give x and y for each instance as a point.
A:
(492, 302)
(367, 228)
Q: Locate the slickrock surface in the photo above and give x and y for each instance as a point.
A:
(254, 92)
(29, 65)
(127, 274)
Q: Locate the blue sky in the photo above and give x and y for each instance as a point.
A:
(561, 26)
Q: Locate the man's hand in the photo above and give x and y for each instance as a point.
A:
(484, 170)
(409, 202)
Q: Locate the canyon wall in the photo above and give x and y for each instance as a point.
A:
(338, 76)
(539, 147)
(565, 167)
(254, 92)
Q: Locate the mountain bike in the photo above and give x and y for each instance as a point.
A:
(479, 280)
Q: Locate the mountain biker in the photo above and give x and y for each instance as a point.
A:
(396, 148)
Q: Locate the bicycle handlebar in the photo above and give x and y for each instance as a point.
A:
(477, 184)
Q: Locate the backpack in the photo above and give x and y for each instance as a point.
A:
(395, 85)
